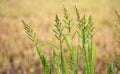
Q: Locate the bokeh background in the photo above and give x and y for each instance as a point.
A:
(17, 53)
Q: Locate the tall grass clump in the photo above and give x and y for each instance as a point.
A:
(65, 35)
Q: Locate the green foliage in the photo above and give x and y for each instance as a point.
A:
(64, 34)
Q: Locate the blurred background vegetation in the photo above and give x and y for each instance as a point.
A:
(18, 55)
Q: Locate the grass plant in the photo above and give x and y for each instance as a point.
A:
(36, 42)
(63, 34)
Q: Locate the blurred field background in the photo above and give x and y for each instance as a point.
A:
(18, 55)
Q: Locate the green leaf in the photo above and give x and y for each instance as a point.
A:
(65, 69)
(93, 60)
(90, 56)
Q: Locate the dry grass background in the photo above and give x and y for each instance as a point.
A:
(17, 50)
